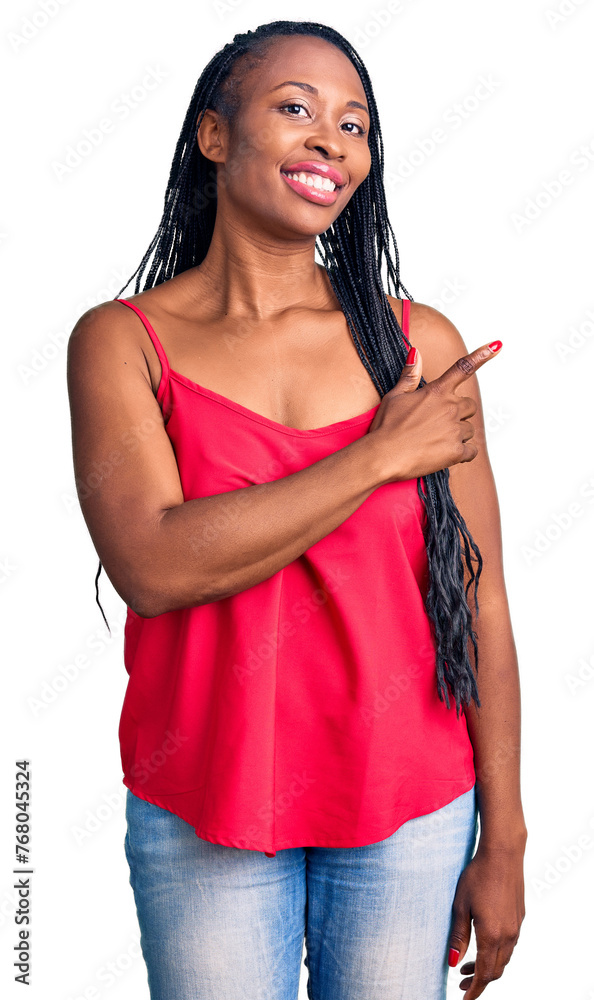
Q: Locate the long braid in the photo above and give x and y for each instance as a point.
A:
(356, 250)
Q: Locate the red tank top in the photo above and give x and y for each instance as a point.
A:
(302, 711)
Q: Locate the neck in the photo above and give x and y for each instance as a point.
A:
(257, 275)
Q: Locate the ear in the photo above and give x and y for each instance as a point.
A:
(211, 137)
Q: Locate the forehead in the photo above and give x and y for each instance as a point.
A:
(310, 60)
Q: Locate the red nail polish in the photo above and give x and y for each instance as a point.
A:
(453, 956)
(495, 346)
(269, 855)
(411, 356)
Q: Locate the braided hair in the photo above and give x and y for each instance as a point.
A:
(354, 250)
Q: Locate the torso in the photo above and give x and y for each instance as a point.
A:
(302, 369)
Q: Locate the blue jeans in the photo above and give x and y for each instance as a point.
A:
(221, 923)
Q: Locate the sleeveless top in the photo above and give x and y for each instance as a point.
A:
(302, 711)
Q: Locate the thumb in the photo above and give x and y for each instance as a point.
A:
(459, 938)
(411, 373)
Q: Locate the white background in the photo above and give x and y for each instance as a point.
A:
(69, 242)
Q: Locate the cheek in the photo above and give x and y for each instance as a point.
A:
(254, 143)
(251, 166)
(252, 189)
(241, 164)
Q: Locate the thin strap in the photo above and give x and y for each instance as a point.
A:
(157, 345)
(405, 316)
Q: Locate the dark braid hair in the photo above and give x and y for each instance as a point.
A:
(354, 250)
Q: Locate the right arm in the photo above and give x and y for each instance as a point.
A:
(162, 553)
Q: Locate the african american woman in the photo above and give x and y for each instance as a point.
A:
(281, 461)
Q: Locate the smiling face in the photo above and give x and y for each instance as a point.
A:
(297, 149)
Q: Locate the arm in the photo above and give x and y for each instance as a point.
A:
(491, 888)
(160, 552)
(494, 728)
(496, 878)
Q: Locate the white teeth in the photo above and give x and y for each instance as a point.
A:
(314, 180)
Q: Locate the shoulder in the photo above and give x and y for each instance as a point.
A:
(436, 337)
(105, 336)
(108, 320)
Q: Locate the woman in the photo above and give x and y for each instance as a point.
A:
(290, 498)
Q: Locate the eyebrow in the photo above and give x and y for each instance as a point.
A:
(313, 90)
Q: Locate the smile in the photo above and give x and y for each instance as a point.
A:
(312, 186)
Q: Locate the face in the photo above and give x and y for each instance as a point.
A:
(298, 148)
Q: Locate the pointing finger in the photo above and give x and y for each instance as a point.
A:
(466, 366)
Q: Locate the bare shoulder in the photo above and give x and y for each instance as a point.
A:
(103, 339)
(436, 337)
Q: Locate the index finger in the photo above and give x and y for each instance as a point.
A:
(466, 366)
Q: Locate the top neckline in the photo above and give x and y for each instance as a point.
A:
(167, 372)
(232, 404)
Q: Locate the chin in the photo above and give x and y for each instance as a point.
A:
(304, 224)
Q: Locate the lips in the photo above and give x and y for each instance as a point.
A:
(295, 176)
(315, 167)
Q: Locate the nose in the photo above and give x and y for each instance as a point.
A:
(328, 150)
(326, 143)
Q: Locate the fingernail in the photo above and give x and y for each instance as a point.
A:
(411, 357)
(454, 954)
(495, 346)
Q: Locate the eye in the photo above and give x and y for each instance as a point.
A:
(362, 131)
(287, 107)
(290, 109)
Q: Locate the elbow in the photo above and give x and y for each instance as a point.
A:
(145, 609)
(150, 602)
(144, 604)
(145, 598)
(155, 587)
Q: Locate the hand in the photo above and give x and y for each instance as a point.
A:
(427, 429)
(490, 891)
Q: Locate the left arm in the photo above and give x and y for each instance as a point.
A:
(491, 888)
